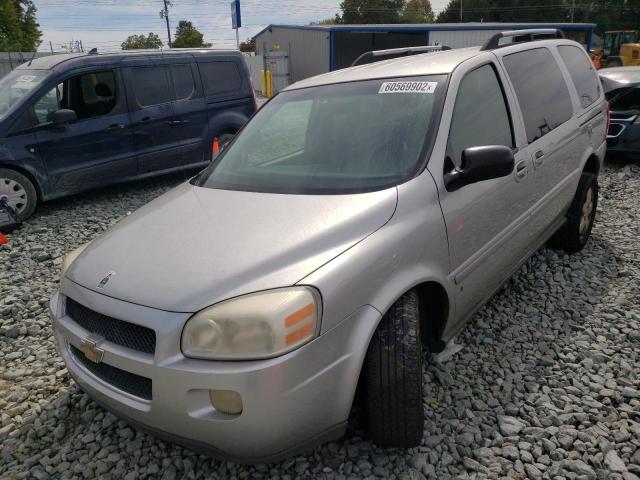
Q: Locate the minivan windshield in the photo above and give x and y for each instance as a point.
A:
(16, 85)
(331, 139)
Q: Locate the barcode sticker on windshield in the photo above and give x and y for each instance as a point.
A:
(408, 87)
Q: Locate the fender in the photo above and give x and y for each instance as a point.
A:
(410, 249)
(221, 119)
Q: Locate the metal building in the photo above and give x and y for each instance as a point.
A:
(315, 49)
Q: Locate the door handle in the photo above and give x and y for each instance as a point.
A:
(145, 119)
(522, 170)
(175, 122)
(115, 126)
(538, 158)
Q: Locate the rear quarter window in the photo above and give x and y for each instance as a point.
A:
(220, 77)
(542, 93)
(582, 74)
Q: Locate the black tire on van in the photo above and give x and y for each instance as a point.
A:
(393, 377)
(574, 234)
(20, 193)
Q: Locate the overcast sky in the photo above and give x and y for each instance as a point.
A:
(107, 23)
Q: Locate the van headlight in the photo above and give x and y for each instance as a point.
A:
(70, 257)
(258, 325)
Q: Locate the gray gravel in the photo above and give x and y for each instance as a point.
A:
(546, 386)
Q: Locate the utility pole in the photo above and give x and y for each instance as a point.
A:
(460, 11)
(164, 13)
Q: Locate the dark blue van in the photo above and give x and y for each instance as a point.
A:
(73, 122)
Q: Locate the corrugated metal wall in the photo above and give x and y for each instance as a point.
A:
(308, 49)
(460, 38)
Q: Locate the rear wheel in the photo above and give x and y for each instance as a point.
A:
(394, 377)
(18, 193)
(225, 139)
(574, 234)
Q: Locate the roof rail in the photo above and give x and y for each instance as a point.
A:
(529, 34)
(379, 55)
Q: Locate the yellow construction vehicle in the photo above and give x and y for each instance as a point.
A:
(621, 48)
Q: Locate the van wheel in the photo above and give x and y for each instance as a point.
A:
(19, 193)
(574, 234)
(394, 377)
(225, 139)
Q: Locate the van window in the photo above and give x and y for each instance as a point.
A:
(541, 90)
(151, 85)
(582, 73)
(220, 77)
(480, 116)
(89, 95)
(182, 81)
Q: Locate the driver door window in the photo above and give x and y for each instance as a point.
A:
(49, 103)
(480, 116)
(89, 95)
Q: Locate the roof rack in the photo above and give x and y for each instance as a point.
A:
(379, 55)
(528, 35)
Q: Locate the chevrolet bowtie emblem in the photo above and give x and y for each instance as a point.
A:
(89, 346)
(106, 279)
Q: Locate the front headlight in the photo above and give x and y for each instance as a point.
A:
(70, 257)
(258, 325)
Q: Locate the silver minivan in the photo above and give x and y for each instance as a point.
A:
(356, 223)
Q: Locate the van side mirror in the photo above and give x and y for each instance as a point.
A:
(62, 116)
(479, 164)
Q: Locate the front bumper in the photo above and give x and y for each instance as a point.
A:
(289, 402)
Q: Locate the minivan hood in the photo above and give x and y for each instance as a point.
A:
(195, 246)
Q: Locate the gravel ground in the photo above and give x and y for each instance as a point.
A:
(546, 386)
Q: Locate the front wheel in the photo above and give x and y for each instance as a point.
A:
(394, 377)
(18, 193)
(575, 233)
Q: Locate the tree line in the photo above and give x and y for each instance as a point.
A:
(186, 36)
(607, 14)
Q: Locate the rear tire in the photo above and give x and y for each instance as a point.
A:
(225, 140)
(575, 233)
(20, 193)
(393, 379)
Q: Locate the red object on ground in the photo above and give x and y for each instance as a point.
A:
(216, 146)
(3, 239)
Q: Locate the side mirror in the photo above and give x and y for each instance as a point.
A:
(63, 116)
(479, 164)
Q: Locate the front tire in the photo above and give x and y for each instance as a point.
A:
(19, 193)
(575, 233)
(393, 365)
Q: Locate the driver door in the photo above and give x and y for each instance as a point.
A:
(93, 150)
(486, 221)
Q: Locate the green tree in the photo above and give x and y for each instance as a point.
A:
(505, 11)
(418, 11)
(19, 29)
(371, 11)
(135, 42)
(327, 21)
(248, 46)
(188, 36)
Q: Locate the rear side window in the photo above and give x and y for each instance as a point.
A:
(541, 90)
(151, 85)
(182, 81)
(480, 116)
(220, 77)
(582, 73)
